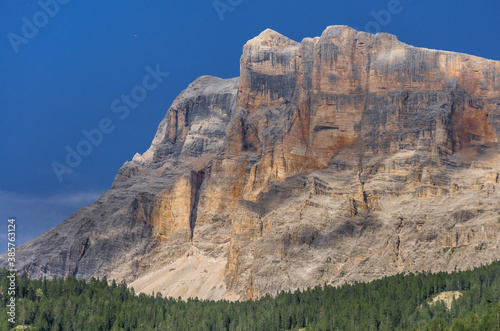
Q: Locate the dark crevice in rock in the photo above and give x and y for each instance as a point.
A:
(197, 178)
(83, 249)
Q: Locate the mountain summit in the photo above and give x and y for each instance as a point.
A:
(342, 158)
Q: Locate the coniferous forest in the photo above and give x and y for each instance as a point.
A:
(399, 302)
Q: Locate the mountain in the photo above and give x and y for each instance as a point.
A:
(342, 158)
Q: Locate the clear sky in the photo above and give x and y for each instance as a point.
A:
(65, 64)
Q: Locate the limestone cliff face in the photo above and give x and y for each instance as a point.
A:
(342, 158)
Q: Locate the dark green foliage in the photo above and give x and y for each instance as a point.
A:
(393, 303)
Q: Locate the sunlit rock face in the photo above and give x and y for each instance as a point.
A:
(342, 158)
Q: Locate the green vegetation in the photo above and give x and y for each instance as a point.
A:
(398, 302)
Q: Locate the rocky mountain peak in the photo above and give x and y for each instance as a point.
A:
(270, 38)
(342, 158)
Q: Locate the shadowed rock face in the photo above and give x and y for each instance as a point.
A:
(342, 158)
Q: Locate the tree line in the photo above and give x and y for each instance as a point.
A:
(399, 302)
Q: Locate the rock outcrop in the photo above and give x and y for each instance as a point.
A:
(345, 157)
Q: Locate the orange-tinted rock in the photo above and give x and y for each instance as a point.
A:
(345, 157)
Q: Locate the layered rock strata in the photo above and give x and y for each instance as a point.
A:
(345, 157)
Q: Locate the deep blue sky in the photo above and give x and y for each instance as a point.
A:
(64, 79)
